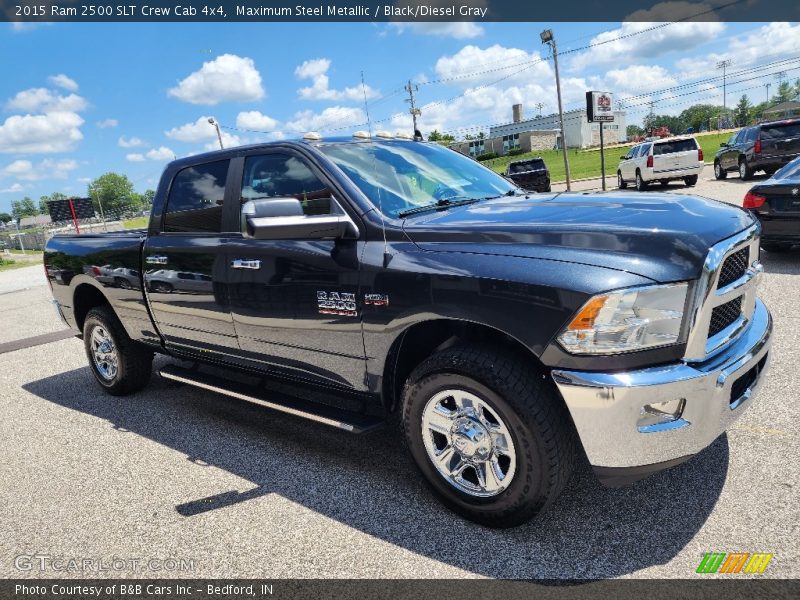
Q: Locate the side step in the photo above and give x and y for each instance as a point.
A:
(321, 413)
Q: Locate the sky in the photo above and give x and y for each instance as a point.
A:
(78, 100)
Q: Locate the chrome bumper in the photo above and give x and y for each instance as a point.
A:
(608, 408)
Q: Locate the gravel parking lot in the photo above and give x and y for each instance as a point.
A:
(173, 472)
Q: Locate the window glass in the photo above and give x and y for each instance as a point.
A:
(751, 135)
(644, 150)
(285, 176)
(674, 146)
(195, 198)
(780, 130)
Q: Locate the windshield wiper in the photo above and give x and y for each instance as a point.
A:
(439, 205)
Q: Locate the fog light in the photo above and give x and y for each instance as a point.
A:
(661, 416)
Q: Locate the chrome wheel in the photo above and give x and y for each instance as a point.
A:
(468, 443)
(104, 353)
(717, 170)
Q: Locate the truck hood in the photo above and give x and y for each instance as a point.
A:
(664, 237)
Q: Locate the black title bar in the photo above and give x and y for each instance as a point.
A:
(159, 11)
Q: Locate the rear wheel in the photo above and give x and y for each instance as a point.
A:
(120, 365)
(690, 180)
(745, 172)
(719, 172)
(621, 183)
(641, 184)
(492, 438)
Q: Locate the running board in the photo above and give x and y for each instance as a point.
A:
(328, 415)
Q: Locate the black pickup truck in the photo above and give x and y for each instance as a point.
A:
(507, 334)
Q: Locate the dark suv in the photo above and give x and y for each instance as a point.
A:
(763, 147)
(530, 174)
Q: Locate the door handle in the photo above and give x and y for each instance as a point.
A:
(156, 260)
(240, 263)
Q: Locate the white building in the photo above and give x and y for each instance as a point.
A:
(579, 133)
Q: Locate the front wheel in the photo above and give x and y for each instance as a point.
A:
(719, 172)
(491, 437)
(119, 364)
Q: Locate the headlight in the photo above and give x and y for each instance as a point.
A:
(627, 320)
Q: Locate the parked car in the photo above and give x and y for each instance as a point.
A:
(661, 160)
(763, 147)
(507, 333)
(530, 174)
(776, 204)
(166, 281)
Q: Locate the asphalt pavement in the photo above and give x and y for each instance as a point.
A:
(182, 483)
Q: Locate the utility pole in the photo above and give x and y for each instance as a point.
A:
(724, 64)
(219, 135)
(547, 38)
(769, 84)
(415, 112)
(19, 235)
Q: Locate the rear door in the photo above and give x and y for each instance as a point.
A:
(185, 270)
(673, 156)
(295, 302)
(729, 157)
(781, 140)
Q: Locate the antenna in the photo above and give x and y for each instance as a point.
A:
(386, 255)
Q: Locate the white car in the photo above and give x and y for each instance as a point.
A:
(661, 160)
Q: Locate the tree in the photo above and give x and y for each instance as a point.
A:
(5, 217)
(785, 92)
(23, 208)
(434, 136)
(111, 193)
(632, 131)
(797, 87)
(149, 196)
(674, 124)
(45, 199)
(701, 116)
(742, 113)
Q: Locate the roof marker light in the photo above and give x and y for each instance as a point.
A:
(402, 135)
(362, 135)
(386, 135)
(312, 136)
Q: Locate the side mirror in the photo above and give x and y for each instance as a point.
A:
(723, 145)
(284, 219)
(624, 157)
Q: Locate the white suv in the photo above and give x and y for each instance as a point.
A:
(662, 161)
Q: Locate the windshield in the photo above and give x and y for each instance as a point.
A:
(399, 176)
(789, 171)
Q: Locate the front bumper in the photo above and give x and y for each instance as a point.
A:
(607, 408)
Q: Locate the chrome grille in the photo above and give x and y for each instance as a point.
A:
(725, 295)
(724, 315)
(733, 268)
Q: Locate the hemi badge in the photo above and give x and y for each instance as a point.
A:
(376, 299)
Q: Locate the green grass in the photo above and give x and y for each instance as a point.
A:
(7, 265)
(584, 164)
(137, 223)
(18, 251)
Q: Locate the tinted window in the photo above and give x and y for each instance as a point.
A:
(674, 146)
(536, 164)
(284, 176)
(780, 130)
(195, 198)
(644, 150)
(739, 137)
(751, 134)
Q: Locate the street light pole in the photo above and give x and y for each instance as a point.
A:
(547, 38)
(724, 64)
(219, 135)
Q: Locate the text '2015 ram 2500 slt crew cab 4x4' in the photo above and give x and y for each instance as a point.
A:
(507, 333)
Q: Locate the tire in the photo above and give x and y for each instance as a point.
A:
(162, 287)
(513, 398)
(663, 182)
(745, 172)
(122, 283)
(128, 365)
(691, 180)
(641, 184)
(773, 247)
(621, 183)
(719, 172)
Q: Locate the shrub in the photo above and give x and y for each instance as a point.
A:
(486, 156)
(516, 152)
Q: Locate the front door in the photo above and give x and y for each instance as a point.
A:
(185, 263)
(295, 302)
